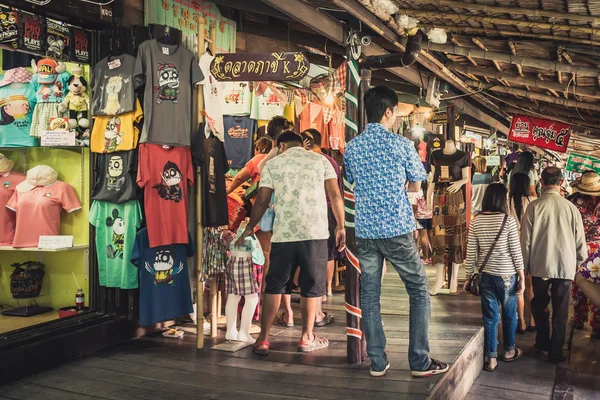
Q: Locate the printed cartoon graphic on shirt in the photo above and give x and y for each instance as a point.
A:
(58, 40)
(114, 176)
(8, 26)
(118, 237)
(170, 187)
(236, 95)
(168, 83)
(14, 110)
(113, 135)
(163, 267)
(112, 91)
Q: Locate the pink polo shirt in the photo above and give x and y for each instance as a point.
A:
(7, 217)
(38, 211)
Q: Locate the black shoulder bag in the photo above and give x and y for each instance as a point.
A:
(475, 281)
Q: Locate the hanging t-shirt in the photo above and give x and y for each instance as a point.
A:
(9, 24)
(209, 154)
(51, 88)
(112, 86)
(237, 98)
(164, 282)
(32, 32)
(448, 167)
(17, 101)
(239, 132)
(117, 174)
(38, 211)
(116, 227)
(267, 105)
(7, 217)
(116, 133)
(164, 172)
(169, 73)
(213, 97)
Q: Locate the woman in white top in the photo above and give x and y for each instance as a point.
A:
(502, 276)
(518, 200)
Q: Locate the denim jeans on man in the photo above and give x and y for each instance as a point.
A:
(495, 291)
(401, 252)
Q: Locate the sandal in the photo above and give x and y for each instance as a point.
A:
(327, 319)
(487, 367)
(281, 321)
(518, 354)
(318, 343)
(261, 348)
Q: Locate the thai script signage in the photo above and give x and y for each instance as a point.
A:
(260, 67)
(581, 163)
(441, 117)
(551, 135)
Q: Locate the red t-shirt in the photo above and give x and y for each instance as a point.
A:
(38, 211)
(164, 172)
(252, 167)
(7, 217)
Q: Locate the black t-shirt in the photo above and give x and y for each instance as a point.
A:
(448, 167)
(116, 181)
(209, 155)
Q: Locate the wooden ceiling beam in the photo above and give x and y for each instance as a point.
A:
(484, 19)
(554, 92)
(513, 10)
(471, 60)
(510, 59)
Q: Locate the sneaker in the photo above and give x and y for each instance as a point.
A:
(380, 373)
(435, 368)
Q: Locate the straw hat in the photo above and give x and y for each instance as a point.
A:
(6, 164)
(41, 175)
(589, 184)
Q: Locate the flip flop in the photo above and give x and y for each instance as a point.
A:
(256, 349)
(281, 321)
(318, 343)
(327, 319)
(518, 354)
(487, 367)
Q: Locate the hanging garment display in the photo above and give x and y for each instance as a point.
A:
(267, 105)
(113, 86)
(9, 26)
(170, 73)
(164, 281)
(32, 33)
(116, 227)
(449, 209)
(17, 101)
(117, 174)
(237, 98)
(165, 172)
(213, 97)
(239, 133)
(58, 40)
(82, 45)
(51, 85)
(214, 259)
(117, 132)
(38, 202)
(209, 154)
(9, 179)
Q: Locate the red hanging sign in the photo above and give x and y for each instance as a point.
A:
(551, 135)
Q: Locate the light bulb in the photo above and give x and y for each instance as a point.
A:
(329, 100)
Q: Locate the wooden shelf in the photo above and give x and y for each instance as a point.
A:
(76, 247)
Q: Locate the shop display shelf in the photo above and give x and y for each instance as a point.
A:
(75, 149)
(75, 247)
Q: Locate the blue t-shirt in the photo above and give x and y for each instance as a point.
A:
(164, 281)
(239, 131)
(51, 88)
(17, 101)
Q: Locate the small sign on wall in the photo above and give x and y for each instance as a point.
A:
(55, 242)
(58, 138)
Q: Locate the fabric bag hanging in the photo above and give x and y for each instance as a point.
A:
(266, 222)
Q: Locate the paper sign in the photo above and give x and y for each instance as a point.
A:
(57, 138)
(492, 161)
(114, 64)
(55, 242)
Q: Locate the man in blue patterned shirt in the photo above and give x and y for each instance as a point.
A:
(379, 163)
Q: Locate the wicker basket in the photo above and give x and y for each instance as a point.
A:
(26, 280)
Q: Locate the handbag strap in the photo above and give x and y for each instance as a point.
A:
(487, 257)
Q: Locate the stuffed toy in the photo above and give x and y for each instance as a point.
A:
(77, 101)
(50, 83)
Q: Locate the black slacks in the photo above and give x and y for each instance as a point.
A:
(560, 294)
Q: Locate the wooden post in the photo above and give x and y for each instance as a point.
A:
(213, 37)
(450, 135)
(201, 43)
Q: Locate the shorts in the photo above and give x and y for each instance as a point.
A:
(310, 256)
(425, 223)
(331, 250)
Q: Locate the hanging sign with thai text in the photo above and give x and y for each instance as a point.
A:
(260, 67)
(551, 135)
(441, 117)
(581, 163)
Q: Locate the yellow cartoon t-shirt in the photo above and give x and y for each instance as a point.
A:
(117, 132)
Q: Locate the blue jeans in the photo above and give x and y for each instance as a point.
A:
(495, 291)
(401, 252)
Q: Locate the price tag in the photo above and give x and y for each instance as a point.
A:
(445, 173)
(57, 138)
(55, 242)
(114, 64)
(166, 51)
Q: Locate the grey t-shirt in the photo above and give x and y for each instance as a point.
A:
(112, 86)
(169, 73)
